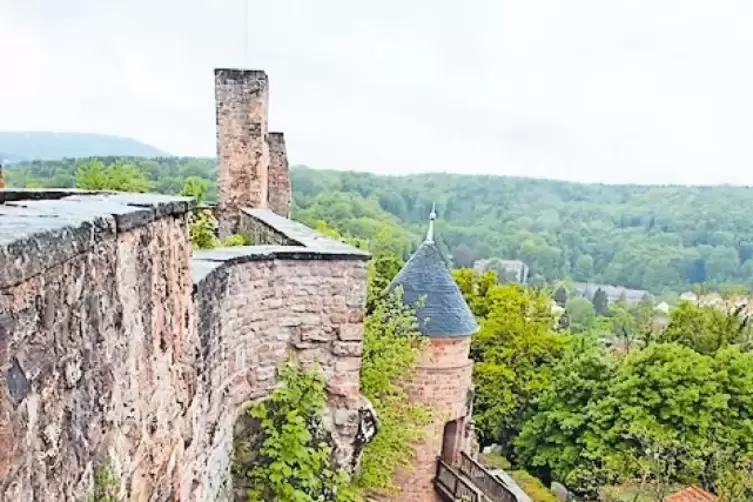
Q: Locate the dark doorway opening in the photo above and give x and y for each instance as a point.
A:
(451, 440)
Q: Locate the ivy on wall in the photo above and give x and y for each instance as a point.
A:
(285, 454)
(202, 227)
(288, 458)
(392, 347)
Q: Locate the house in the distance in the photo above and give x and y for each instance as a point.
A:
(614, 293)
(507, 270)
(691, 494)
(727, 303)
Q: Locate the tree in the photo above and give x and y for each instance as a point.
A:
(381, 270)
(600, 302)
(513, 352)
(121, 177)
(463, 256)
(583, 268)
(581, 314)
(553, 442)
(707, 329)
(560, 295)
(195, 187)
(601, 422)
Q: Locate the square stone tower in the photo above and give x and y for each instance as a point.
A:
(244, 151)
(279, 175)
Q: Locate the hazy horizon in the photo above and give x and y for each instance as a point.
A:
(643, 92)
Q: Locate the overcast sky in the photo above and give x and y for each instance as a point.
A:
(592, 90)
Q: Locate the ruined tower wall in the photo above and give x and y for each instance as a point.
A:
(252, 164)
(117, 346)
(279, 175)
(242, 109)
(441, 381)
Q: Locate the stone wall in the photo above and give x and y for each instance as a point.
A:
(116, 346)
(264, 306)
(441, 381)
(279, 175)
(242, 102)
(95, 320)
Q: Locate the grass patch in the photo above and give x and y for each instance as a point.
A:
(533, 487)
(528, 483)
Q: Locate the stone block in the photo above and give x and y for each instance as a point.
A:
(345, 364)
(347, 348)
(350, 332)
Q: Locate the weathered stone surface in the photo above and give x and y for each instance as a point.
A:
(442, 381)
(93, 347)
(264, 309)
(279, 175)
(242, 102)
(347, 349)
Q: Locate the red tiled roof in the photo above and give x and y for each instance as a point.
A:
(691, 494)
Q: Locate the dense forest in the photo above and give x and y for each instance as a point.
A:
(659, 238)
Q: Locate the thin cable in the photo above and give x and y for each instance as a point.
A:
(245, 33)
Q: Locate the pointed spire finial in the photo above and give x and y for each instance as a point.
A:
(432, 218)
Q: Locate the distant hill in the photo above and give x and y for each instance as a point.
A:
(19, 146)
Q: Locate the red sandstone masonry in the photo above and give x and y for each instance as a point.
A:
(441, 381)
(266, 310)
(105, 356)
(102, 341)
(242, 103)
(279, 175)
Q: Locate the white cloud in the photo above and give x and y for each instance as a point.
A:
(646, 90)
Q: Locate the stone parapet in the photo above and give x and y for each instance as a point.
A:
(96, 338)
(265, 227)
(42, 228)
(117, 345)
(258, 304)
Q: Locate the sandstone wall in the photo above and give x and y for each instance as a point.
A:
(116, 345)
(95, 322)
(242, 103)
(279, 175)
(263, 307)
(441, 381)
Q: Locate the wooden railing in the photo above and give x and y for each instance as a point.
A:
(491, 486)
(453, 487)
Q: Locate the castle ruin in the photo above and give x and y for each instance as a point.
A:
(120, 344)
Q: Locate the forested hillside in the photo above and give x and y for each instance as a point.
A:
(659, 238)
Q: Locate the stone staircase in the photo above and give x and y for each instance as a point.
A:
(469, 481)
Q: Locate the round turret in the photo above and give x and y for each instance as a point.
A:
(442, 379)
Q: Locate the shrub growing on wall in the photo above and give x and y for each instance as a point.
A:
(289, 458)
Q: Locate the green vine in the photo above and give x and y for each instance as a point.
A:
(287, 456)
(392, 347)
(105, 485)
(202, 227)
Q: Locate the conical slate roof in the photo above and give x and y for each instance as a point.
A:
(426, 280)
